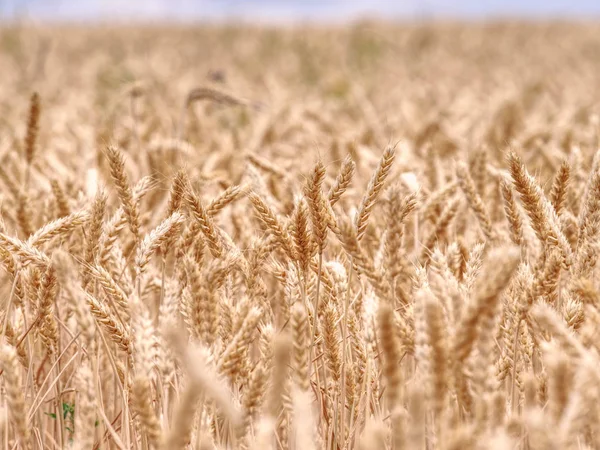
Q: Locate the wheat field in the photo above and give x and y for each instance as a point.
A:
(371, 236)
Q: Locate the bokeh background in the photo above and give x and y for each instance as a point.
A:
(294, 10)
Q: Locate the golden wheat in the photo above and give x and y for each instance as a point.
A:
(373, 236)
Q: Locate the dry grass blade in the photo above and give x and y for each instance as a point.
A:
(215, 95)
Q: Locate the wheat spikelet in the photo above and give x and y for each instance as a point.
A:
(316, 204)
(167, 230)
(486, 295)
(227, 197)
(374, 188)
(559, 191)
(94, 231)
(48, 328)
(342, 181)
(435, 200)
(206, 225)
(391, 354)
(110, 325)
(549, 319)
(331, 342)
(177, 192)
(302, 238)
(398, 211)
(281, 355)
(14, 395)
(512, 214)
(86, 408)
(231, 359)
(26, 253)
(141, 401)
(62, 202)
(13, 341)
(253, 398)
(58, 227)
(560, 382)
(541, 213)
(24, 214)
(352, 248)
(203, 308)
(84, 319)
(473, 197)
(112, 290)
(32, 128)
(441, 226)
(300, 336)
(436, 334)
(272, 223)
(117, 171)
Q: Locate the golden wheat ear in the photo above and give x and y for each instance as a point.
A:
(14, 395)
(121, 181)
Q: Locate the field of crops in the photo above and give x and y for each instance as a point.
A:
(370, 236)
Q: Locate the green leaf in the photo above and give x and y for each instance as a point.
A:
(68, 409)
(51, 415)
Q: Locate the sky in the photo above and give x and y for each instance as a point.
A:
(285, 10)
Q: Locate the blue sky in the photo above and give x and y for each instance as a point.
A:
(292, 9)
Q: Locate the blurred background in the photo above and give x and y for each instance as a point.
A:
(291, 10)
